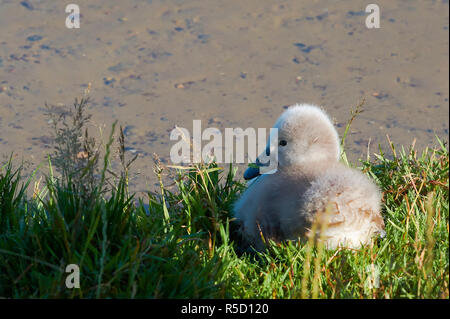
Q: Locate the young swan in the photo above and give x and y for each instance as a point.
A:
(310, 186)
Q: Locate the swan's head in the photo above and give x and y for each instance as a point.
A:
(306, 136)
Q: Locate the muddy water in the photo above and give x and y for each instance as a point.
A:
(156, 64)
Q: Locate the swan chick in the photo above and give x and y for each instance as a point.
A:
(309, 187)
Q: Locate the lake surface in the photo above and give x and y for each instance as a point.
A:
(156, 64)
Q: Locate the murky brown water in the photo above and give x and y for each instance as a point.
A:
(157, 64)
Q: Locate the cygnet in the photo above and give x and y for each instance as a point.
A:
(310, 186)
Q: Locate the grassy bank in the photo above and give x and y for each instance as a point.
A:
(181, 242)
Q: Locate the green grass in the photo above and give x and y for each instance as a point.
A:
(182, 242)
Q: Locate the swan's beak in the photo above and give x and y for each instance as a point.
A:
(253, 171)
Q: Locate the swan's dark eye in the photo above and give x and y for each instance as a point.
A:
(283, 143)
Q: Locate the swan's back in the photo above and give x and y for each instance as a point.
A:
(349, 203)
